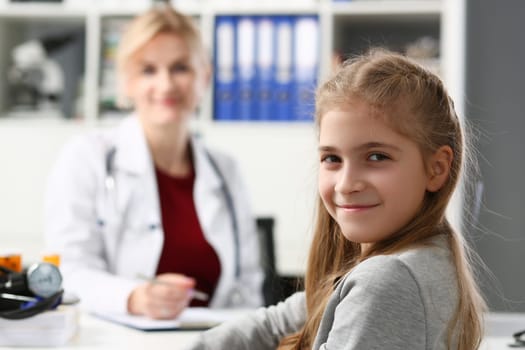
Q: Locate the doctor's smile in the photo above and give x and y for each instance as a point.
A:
(168, 102)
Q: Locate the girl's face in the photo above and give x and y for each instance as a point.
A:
(372, 180)
(165, 80)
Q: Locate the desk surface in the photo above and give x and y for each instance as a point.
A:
(499, 329)
(97, 334)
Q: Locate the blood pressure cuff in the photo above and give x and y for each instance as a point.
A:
(16, 310)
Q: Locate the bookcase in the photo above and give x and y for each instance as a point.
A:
(278, 159)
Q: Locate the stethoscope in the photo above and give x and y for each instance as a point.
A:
(111, 188)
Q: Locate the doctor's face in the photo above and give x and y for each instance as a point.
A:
(166, 79)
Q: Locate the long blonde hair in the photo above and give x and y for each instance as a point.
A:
(159, 19)
(388, 82)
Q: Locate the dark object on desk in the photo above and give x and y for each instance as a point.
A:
(38, 280)
(30, 292)
(275, 287)
(19, 309)
(519, 340)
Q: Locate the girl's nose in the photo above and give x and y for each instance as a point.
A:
(349, 180)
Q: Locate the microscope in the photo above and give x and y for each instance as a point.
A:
(37, 80)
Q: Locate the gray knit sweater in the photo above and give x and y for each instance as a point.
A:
(402, 301)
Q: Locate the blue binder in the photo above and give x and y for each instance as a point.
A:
(245, 35)
(282, 96)
(305, 66)
(265, 69)
(225, 71)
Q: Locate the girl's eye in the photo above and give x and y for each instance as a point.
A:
(330, 158)
(148, 70)
(377, 157)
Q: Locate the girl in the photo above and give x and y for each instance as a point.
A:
(146, 199)
(386, 270)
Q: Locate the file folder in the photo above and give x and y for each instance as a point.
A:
(306, 61)
(283, 69)
(265, 69)
(225, 80)
(245, 34)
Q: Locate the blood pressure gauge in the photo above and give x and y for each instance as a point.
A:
(40, 279)
(44, 279)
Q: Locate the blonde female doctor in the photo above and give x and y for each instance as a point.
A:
(145, 217)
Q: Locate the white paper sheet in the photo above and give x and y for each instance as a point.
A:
(191, 318)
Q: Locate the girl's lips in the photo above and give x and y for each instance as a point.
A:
(357, 207)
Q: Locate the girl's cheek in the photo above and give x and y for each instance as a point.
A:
(325, 192)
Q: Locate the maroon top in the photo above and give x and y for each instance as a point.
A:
(186, 250)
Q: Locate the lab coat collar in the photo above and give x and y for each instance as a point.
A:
(132, 150)
(133, 154)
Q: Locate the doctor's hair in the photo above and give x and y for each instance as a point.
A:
(413, 102)
(161, 18)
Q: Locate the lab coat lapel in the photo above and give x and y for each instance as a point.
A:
(139, 195)
(213, 214)
(207, 191)
(135, 171)
(207, 179)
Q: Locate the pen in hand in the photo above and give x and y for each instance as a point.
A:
(196, 294)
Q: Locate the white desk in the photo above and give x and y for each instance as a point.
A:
(96, 334)
(499, 330)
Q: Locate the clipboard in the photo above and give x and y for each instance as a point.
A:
(194, 318)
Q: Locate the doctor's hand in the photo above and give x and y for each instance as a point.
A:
(163, 298)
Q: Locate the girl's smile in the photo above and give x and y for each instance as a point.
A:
(356, 207)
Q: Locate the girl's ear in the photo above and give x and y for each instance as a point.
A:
(439, 168)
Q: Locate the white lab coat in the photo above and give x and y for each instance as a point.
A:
(107, 238)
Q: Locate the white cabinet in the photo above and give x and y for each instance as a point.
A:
(278, 159)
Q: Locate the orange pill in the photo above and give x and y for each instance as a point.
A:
(52, 259)
(12, 262)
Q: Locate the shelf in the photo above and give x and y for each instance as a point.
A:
(402, 8)
(249, 8)
(356, 7)
(40, 10)
(289, 146)
(44, 120)
(402, 26)
(29, 115)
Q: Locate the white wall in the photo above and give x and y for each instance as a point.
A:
(278, 162)
(27, 150)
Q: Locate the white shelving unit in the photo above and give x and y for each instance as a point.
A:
(277, 159)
